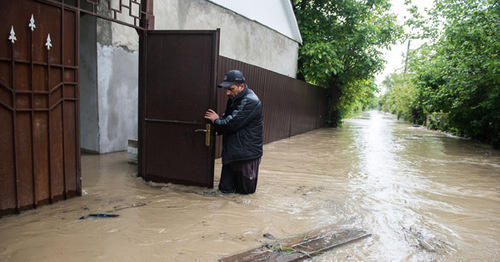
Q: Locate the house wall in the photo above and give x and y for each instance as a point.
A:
(276, 14)
(109, 70)
(117, 96)
(241, 39)
(89, 125)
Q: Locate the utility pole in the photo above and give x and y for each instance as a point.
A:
(406, 63)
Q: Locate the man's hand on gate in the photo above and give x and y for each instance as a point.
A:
(211, 115)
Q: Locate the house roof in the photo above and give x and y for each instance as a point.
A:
(275, 14)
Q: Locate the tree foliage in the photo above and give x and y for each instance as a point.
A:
(457, 72)
(400, 98)
(341, 50)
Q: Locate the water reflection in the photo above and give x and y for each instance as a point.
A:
(423, 195)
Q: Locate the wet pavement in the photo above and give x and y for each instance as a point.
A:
(423, 195)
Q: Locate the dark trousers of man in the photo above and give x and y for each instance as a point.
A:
(240, 177)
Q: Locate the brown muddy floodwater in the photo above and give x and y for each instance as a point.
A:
(423, 195)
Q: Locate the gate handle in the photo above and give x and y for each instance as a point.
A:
(207, 134)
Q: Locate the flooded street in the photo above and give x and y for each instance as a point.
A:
(423, 195)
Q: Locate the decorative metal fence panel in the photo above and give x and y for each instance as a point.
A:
(290, 106)
(39, 95)
(126, 12)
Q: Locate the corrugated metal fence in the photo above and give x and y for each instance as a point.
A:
(291, 106)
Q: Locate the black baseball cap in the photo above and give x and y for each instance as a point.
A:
(232, 77)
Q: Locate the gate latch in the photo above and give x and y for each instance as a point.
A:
(207, 134)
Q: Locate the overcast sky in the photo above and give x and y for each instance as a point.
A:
(395, 57)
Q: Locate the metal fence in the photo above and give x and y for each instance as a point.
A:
(290, 106)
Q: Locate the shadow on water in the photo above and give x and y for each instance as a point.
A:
(424, 196)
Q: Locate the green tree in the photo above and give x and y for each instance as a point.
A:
(400, 98)
(457, 73)
(341, 50)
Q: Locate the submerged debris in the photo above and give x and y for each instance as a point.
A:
(300, 247)
(116, 208)
(269, 236)
(430, 244)
(100, 215)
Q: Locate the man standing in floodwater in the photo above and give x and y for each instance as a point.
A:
(241, 127)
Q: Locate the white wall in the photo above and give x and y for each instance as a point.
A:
(117, 97)
(115, 101)
(275, 14)
(241, 39)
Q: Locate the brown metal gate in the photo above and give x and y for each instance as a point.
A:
(39, 137)
(177, 143)
(39, 95)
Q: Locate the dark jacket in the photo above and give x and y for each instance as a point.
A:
(241, 127)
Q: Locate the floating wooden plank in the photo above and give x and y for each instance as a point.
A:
(300, 247)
